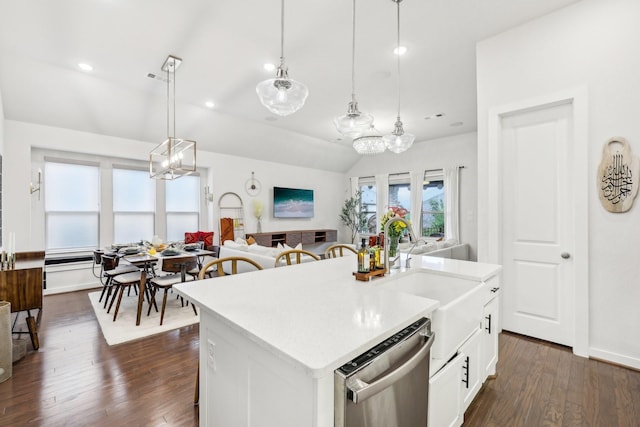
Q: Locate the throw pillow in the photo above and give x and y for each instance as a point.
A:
(251, 240)
(206, 237)
(191, 237)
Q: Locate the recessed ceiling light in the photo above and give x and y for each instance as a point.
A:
(435, 116)
(85, 67)
(400, 50)
(456, 124)
(269, 66)
(209, 104)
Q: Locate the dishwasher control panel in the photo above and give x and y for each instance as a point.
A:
(368, 356)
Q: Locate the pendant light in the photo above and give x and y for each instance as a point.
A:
(398, 141)
(354, 123)
(175, 157)
(282, 95)
(369, 143)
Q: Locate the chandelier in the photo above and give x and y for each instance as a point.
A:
(175, 157)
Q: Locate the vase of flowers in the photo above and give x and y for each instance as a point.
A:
(396, 230)
(257, 211)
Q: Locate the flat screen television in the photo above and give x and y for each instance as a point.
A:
(292, 203)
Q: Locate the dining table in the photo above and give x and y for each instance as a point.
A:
(147, 262)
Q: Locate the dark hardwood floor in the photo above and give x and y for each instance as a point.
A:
(76, 379)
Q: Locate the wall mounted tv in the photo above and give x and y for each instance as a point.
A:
(292, 203)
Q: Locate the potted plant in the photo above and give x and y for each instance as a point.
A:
(353, 215)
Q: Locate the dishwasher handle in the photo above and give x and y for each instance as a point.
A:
(365, 390)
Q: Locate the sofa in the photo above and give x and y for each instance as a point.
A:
(263, 255)
(444, 249)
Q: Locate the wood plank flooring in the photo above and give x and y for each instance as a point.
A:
(76, 379)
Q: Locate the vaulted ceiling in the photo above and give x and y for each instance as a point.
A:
(224, 46)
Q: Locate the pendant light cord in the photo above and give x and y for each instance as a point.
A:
(281, 32)
(398, 54)
(353, 55)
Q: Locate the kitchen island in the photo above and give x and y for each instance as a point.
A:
(270, 340)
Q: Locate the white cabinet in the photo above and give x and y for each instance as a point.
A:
(473, 368)
(491, 327)
(445, 395)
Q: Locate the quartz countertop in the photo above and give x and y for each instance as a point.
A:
(315, 314)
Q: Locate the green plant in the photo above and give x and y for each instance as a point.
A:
(352, 215)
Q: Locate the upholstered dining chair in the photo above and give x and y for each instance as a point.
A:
(177, 267)
(338, 250)
(135, 279)
(218, 264)
(299, 253)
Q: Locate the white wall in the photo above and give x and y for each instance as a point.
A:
(24, 213)
(459, 150)
(594, 44)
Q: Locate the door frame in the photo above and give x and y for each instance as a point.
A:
(577, 98)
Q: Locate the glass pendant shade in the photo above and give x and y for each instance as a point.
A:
(282, 95)
(398, 141)
(369, 143)
(354, 123)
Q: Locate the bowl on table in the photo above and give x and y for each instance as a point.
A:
(191, 247)
(171, 252)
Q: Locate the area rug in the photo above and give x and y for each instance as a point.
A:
(124, 328)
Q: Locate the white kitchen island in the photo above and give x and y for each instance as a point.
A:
(270, 340)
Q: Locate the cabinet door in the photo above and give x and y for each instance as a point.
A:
(473, 369)
(445, 395)
(491, 321)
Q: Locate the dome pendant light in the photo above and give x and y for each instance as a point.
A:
(398, 141)
(282, 95)
(354, 123)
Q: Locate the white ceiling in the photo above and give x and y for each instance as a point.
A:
(224, 45)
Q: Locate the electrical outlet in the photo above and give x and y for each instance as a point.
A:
(211, 360)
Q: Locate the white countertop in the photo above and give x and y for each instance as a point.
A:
(314, 314)
(456, 268)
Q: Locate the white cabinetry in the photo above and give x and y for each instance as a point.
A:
(473, 368)
(491, 327)
(445, 395)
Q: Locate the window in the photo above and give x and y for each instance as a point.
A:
(433, 206)
(133, 205)
(72, 205)
(369, 199)
(400, 192)
(183, 206)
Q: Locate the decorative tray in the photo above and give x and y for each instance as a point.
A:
(365, 277)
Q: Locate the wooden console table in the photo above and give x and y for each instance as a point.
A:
(293, 237)
(22, 287)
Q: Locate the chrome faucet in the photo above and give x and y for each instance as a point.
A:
(407, 262)
(387, 241)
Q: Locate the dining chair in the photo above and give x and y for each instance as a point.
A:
(338, 250)
(177, 266)
(218, 264)
(221, 264)
(299, 253)
(110, 268)
(134, 279)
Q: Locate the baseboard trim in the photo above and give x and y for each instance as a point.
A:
(72, 288)
(614, 358)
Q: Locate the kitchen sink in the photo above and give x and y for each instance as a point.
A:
(460, 310)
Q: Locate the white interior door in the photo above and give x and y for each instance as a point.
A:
(536, 148)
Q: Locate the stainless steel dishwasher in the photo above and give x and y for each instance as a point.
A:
(388, 386)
